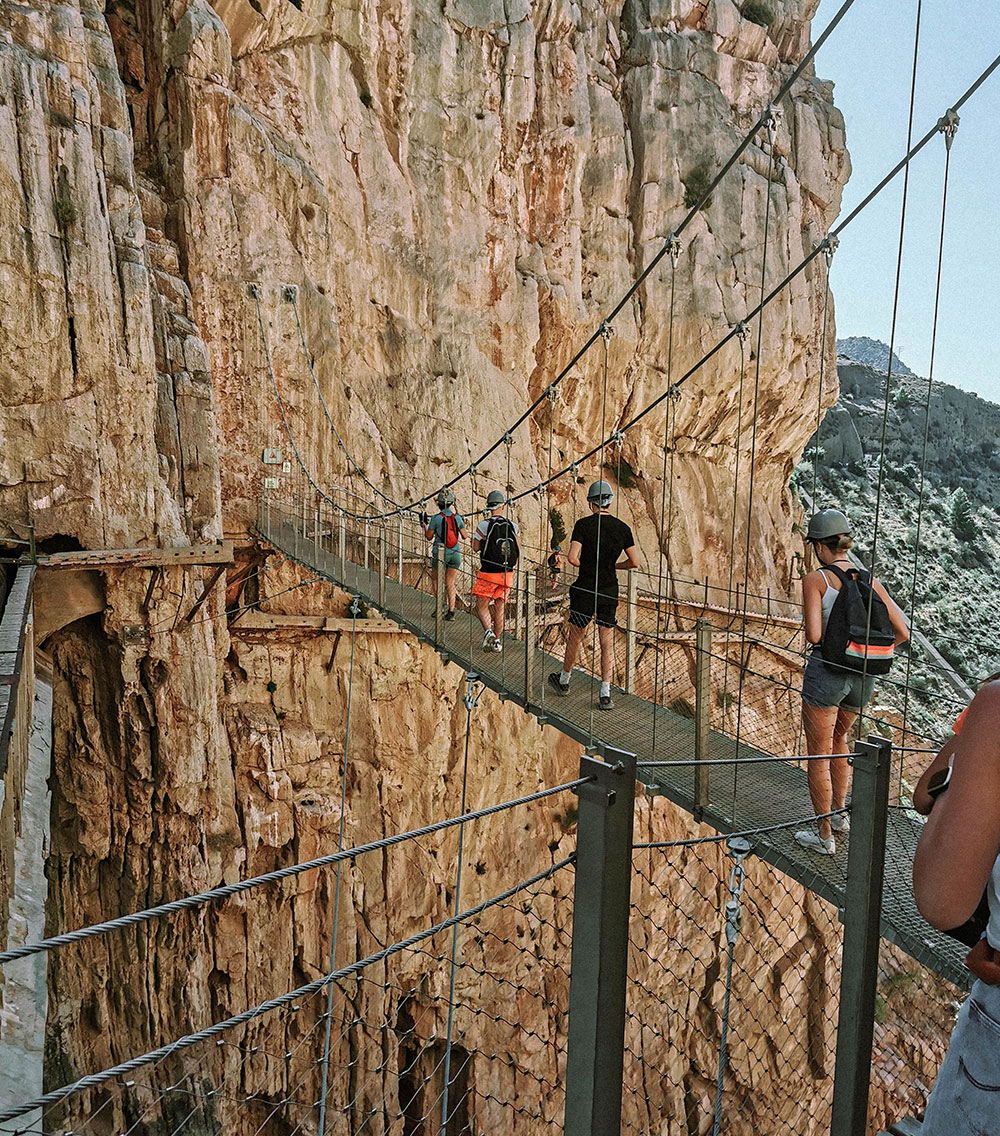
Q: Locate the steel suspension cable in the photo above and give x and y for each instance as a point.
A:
(663, 539)
(472, 692)
(340, 864)
(949, 137)
(771, 124)
(892, 341)
(828, 256)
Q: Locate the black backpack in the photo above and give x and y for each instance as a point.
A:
(859, 635)
(500, 550)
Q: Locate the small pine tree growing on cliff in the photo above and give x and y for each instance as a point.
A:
(695, 184)
(963, 523)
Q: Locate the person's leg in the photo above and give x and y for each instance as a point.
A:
(840, 772)
(574, 636)
(817, 724)
(498, 610)
(482, 611)
(606, 635)
(451, 587)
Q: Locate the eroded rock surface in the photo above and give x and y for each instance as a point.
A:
(458, 196)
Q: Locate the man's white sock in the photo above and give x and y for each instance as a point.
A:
(605, 689)
(565, 677)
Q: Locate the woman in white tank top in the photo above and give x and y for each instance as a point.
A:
(832, 697)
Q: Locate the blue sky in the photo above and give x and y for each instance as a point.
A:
(869, 57)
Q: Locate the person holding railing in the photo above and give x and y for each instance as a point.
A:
(957, 860)
(833, 696)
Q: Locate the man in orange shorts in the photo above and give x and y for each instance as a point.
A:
(495, 540)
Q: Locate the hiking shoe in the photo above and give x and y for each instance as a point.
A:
(815, 843)
(840, 823)
(557, 684)
(488, 640)
(606, 702)
(449, 615)
(497, 645)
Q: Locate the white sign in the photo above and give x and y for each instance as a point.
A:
(270, 483)
(286, 467)
(272, 457)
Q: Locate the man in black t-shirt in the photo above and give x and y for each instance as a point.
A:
(596, 544)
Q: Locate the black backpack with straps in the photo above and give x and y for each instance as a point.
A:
(859, 634)
(500, 550)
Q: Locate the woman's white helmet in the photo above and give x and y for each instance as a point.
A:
(600, 494)
(828, 523)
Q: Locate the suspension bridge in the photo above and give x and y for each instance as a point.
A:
(553, 1001)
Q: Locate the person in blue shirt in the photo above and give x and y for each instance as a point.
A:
(446, 529)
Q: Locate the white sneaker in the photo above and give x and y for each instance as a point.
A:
(840, 823)
(488, 640)
(497, 644)
(812, 840)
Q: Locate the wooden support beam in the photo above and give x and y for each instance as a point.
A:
(221, 553)
(264, 621)
(210, 584)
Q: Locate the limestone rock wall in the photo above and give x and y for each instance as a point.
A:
(458, 195)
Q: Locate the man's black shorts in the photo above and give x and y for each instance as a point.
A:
(584, 605)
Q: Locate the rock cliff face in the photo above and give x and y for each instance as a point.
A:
(458, 195)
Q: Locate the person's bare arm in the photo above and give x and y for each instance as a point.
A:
(631, 560)
(812, 606)
(573, 556)
(923, 802)
(961, 839)
(896, 617)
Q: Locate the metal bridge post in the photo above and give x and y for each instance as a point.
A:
(529, 635)
(598, 966)
(317, 514)
(861, 917)
(702, 711)
(381, 567)
(518, 600)
(399, 552)
(368, 545)
(439, 607)
(342, 543)
(631, 603)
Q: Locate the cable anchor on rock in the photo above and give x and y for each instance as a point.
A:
(551, 392)
(607, 331)
(474, 686)
(829, 247)
(673, 248)
(742, 330)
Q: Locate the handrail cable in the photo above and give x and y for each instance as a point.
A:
(747, 832)
(227, 890)
(782, 91)
(93, 1080)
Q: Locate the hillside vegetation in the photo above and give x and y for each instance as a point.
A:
(936, 545)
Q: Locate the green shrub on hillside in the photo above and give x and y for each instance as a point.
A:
(963, 523)
(697, 181)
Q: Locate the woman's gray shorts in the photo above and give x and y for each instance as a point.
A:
(824, 686)
(966, 1096)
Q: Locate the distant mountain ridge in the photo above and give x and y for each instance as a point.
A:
(871, 352)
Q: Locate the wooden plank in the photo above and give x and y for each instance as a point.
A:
(221, 553)
(265, 621)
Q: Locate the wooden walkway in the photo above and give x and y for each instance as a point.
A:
(742, 797)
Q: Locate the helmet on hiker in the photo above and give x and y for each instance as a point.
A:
(496, 497)
(828, 523)
(600, 494)
(445, 498)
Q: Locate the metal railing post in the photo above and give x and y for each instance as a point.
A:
(518, 600)
(702, 711)
(631, 603)
(342, 542)
(598, 966)
(317, 514)
(439, 607)
(368, 546)
(381, 566)
(399, 549)
(861, 916)
(529, 635)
